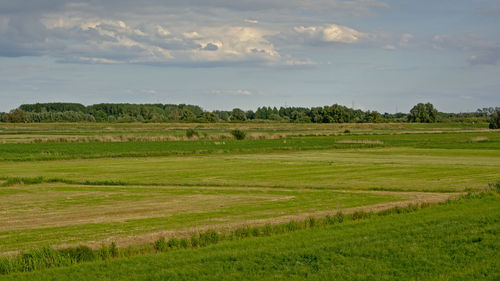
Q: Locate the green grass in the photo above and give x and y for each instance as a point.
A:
(37, 216)
(85, 150)
(54, 192)
(379, 169)
(454, 241)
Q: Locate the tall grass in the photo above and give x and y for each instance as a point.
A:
(10, 181)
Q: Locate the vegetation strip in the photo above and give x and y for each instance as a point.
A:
(38, 259)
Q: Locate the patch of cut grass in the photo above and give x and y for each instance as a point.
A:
(55, 214)
(454, 241)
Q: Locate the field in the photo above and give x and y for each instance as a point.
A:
(64, 185)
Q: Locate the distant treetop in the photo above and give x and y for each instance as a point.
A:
(126, 112)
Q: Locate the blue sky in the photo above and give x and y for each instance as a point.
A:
(370, 54)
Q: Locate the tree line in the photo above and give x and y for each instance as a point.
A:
(124, 112)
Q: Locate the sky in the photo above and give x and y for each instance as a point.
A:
(222, 54)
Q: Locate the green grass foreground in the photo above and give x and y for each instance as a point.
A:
(458, 240)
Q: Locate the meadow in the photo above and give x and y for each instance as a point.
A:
(65, 185)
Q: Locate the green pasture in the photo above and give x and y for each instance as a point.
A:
(408, 169)
(454, 241)
(55, 214)
(86, 150)
(92, 184)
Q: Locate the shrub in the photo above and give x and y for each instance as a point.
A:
(359, 215)
(241, 232)
(79, 254)
(347, 131)
(195, 241)
(310, 222)
(113, 250)
(267, 230)
(292, 226)
(209, 237)
(161, 245)
(174, 243)
(103, 253)
(495, 120)
(339, 217)
(255, 231)
(185, 243)
(238, 134)
(191, 133)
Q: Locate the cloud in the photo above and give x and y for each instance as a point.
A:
(484, 51)
(171, 32)
(331, 33)
(238, 92)
(294, 62)
(405, 39)
(149, 91)
(211, 47)
(112, 41)
(251, 21)
(488, 57)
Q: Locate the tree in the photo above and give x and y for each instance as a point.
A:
(238, 134)
(210, 117)
(16, 116)
(495, 120)
(187, 115)
(423, 113)
(238, 115)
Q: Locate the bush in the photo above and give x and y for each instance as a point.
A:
(113, 250)
(358, 215)
(191, 133)
(310, 222)
(209, 237)
(80, 253)
(339, 217)
(267, 230)
(238, 134)
(195, 241)
(185, 243)
(495, 120)
(174, 243)
(161, 245)
(347, 131)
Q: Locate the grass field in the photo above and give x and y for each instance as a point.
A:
(455, 241)
(70, 184)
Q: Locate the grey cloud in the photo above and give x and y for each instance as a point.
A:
(154, 31)
(211, 47)
(484, 51)
(488, 57)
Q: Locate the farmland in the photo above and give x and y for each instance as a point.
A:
(64, 185)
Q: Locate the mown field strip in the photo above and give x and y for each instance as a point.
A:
(225, 225)
(397, 169)
(61, 215)
(452, 241)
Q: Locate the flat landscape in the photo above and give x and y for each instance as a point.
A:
(66, 185)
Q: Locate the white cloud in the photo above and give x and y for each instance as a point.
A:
(405, 39)
(233, 43)
(149, 91)
(172, 32)
(389, 47)
(237, 92)
(293, 62)
(251, 21)
(331, 33)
